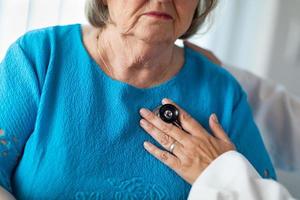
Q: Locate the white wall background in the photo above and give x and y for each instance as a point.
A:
(19, 16)
(261, 36)
(241, 32)
(284, 65)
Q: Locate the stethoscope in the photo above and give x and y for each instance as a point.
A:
(169, 114)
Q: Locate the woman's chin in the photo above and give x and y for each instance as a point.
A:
(156, 37)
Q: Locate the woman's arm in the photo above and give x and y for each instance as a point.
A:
(231, 176)
(19, 99)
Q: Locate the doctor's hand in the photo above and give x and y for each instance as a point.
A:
(188, 152)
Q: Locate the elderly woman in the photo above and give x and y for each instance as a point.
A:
(71, 121)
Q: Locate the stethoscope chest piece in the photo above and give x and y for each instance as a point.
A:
(169, 114)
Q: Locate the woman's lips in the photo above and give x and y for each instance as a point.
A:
(159, 15)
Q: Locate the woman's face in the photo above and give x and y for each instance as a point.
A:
(152, 20)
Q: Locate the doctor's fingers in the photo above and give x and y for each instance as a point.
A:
(164, 156)
(209, 148)
(171, 130)
(188, 123)
(165, 140)
(217, 129)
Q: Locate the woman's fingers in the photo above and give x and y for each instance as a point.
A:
(167, 158)
(169, 129)
(163, 139)
(188, 123)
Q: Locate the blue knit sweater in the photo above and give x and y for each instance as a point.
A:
(69, 131)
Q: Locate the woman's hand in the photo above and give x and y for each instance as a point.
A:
(190, 150)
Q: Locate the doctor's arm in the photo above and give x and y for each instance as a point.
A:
(5, 195)
(276, 113)
(208, 162)
(231, 176)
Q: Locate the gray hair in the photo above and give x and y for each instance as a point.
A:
(98, 15)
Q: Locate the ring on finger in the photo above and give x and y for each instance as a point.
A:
(172, 147)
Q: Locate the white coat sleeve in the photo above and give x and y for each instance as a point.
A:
(232, 177)
(277, 114)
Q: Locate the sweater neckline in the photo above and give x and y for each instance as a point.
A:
(171, 81)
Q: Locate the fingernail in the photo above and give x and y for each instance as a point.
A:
(166, 100)
(146, 145)
(215, 118)
(144, 111)
(143, 122)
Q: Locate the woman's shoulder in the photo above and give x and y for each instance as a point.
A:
(36, 48)
(41, 45)
(47, 35)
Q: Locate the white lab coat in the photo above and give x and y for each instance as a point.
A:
(277, 115)
(231, 176)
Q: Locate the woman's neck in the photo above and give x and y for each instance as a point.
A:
(138, 62)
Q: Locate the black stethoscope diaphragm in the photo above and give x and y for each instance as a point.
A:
(169, 114)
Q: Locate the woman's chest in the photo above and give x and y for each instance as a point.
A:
(94, 151)
(88, 143)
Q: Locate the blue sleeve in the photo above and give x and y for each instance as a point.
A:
(245, 135)
(19, 99)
